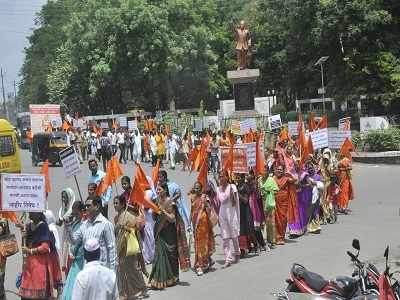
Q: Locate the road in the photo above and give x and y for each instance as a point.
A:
(374, 221)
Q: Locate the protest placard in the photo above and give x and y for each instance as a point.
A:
(123, 121)
(251, 155)
(344, 124)
(292, 128)
(275, 121)
(23, 192)
(248, 124)
(104, 125)
(198, 125)
(235, 127)
(337, 138)
(239, 158)
(132, 125)
(320, 138)
(70, 162)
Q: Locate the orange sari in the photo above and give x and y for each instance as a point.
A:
(346, 188)
(204, 242)
(281, 210)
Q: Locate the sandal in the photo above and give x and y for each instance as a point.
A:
(199, 272)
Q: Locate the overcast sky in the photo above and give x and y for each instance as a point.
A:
(16, 24)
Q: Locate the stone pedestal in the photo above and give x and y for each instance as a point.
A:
(243, 87)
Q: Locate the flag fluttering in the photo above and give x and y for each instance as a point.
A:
(45, 171)
(138, 192)
(346, 148)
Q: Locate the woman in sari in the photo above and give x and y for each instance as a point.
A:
(346, 188)
(229, 218)
(67, 201)
(129, 279)
(171, 249)
(41, 272)
(203, 230)
(282, 202)
(76, 251)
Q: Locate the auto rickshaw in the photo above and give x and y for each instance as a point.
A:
(46, 146)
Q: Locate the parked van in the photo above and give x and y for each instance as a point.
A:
(10, 161)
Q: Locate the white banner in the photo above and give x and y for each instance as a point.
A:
(132, 125)
(251, 155)
(248, 124)
(70, 162)
(104, 125)
(337, 138)
(23, 192)
(123, 121)
(292, 127)
(373, 123)
(275, 121)
(198, 125)
(320, 138)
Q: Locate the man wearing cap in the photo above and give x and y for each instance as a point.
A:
(96, 226)
(94, 282)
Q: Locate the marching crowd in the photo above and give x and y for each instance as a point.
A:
(297, 191)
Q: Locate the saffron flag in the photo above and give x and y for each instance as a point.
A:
(154, 172)
(140, 185)
(346, 148)
(202, 177)
(45, 171)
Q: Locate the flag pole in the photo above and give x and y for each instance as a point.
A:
(79, 190)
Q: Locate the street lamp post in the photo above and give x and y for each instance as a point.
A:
(321, 62)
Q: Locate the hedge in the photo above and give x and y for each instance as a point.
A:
(378, 140)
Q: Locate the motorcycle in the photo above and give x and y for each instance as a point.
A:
(341, 288)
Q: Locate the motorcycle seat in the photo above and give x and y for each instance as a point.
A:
(313, 280)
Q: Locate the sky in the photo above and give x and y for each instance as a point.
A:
(16, 24)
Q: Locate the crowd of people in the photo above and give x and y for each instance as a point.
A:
(99, 257)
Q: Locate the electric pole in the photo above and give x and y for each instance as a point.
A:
(15, 99)
(4, 94)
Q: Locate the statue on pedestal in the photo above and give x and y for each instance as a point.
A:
(243, 45)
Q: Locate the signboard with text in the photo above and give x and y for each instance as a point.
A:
(275, 121)
(248, 124)
(132, 125)
(43, 116)
(337, 138)
(23, 192)
(70, 162)
(320, 138)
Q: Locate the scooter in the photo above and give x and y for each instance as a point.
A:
(341, 288)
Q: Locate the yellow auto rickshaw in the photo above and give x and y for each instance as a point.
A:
(47, 145)
(10, 161)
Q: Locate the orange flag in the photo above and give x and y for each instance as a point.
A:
(104, 183)
(202, 177)
(65, 125)
(228, 164)
(114, 124)
(311, 122)
(116, 169)
(45, 171)
(155, 171)
(140, 185)
(9, 215)
(346, 148)
(260, 158)
(308, 149)
(323, 123)
(283, 135)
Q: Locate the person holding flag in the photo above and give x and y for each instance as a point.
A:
(97, 176)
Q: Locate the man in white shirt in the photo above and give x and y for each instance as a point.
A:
(172, 149)
(121, 145)
(113, 138)
(137, 148)
(94, 282)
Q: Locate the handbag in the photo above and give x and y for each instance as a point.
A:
(132, 244)
(8, 245)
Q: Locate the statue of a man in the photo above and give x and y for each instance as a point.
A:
(243, 44)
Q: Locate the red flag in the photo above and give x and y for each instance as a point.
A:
(346, 148)
(155, 171)
(260, 158)
(45, 171)
(202, 177)
(140, 185)
(323, 123)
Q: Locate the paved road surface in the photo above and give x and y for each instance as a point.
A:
(375, 220)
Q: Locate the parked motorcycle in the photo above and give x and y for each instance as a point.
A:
(341, 288)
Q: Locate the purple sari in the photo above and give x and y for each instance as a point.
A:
(304, 197)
